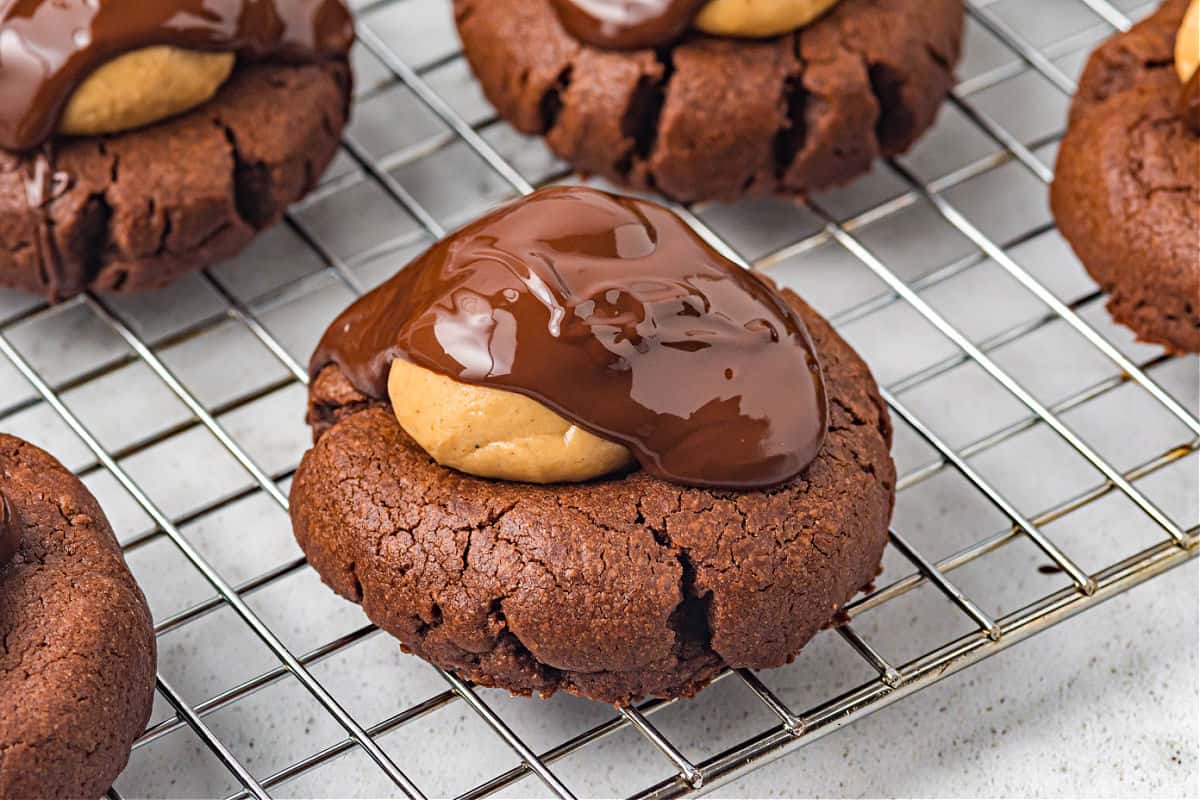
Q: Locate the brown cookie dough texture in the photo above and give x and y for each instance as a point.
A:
(614, 589)
(1127, 190)
(77, 666)
(719, 118)
(140, 209)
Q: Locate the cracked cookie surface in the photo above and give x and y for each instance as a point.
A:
(713, 118)
(1126, 193)
(78, 663)
(613, 590)
(138, 210)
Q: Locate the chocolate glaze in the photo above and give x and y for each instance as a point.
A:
(49, 47)
(10, 534)
(627, 24)
(612, 312)
(1189, 102)
(43, 185)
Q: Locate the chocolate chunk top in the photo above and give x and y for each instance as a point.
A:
(49, 47)
(628, 24)
(612, 312)
(10, 535)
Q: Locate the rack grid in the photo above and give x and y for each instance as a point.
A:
(165, 349)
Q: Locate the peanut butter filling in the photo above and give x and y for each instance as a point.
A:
(144, 87)
(759, 19)
(496, 434)
(1187, 43)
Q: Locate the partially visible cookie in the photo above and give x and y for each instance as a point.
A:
(138, 210)
(615, 589)
(142, 141)
(77, 669)
(721, 118)
(1126, 194)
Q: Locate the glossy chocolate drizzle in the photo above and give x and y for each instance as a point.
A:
(43, 185)
(10, 534)
(627, 24)
(1189, 103)
(49, 47)
(612, 312)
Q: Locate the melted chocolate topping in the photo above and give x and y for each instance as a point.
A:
(10, 535)
(49, 47)
(612, 312)
(1189, 102)
(627, 24)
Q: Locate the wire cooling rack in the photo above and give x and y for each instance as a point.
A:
(182, 411)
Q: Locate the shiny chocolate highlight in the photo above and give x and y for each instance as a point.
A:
(48, 48)
(627, 24)
(615, 314)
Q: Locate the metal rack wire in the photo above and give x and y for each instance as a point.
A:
(792, 728)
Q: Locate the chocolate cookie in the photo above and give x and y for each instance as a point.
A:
(1127, 190)
(77, 666)
(615, 589)
(716, 118)
(140, 209)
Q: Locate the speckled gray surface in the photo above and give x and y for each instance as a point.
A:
(1105, 704)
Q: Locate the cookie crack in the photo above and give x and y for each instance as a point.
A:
(690, 619)
(641, 119)
(114, 167)
(850, 411)
(95, 236)
(939, 58)
(463, 13)
(551, 104)
(1162, 180)
(164, 232)
(792, 136)
(493, 518)
(896, 122)
(251, 181)
(352, 569)
(528, 558)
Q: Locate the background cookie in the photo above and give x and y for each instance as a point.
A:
(78, 663)
(715, 118)
(140, 209)
(1126, 194)
(614, 589)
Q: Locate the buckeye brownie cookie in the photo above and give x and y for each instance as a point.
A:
(573, 447)
(1126, 193)
(717, 99)
(78, 663)
(143, 141)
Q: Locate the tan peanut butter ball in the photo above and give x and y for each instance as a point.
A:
(493, 433)
(144, 87)
(1187, 43)
(759, 19)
